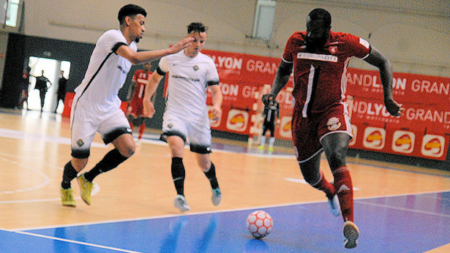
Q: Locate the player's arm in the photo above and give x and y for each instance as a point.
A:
(147, 56)
(377, 59)
(281, 78)
(150, 89)
(217, 99)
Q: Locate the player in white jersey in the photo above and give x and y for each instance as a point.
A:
(96, 106)
(191, 73)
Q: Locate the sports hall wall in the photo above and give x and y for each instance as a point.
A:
(413, 34)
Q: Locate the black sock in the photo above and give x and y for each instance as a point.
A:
(68, 175)
(211, 175)
(109, 162)
(178, 174)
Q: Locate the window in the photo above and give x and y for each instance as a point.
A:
(8, 12)
(265, 14)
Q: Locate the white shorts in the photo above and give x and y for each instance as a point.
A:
(196, 132)
(84, 125)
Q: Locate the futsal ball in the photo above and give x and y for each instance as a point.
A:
(259, 223)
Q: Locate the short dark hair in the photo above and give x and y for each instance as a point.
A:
(321, 14)
(196, 27)
(130, 10)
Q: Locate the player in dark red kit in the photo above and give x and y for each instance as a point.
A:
(319, 58)
(135, 96)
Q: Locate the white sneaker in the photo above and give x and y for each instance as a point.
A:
(351, 233)
(216, 196)
(180, 203)
(333, 203)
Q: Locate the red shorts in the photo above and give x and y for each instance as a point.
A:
(136, 108)
(307, 132)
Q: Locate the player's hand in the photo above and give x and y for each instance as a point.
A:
(216, 112)
(394, 108)
(265, 98)
(182, 44)
(149, 109)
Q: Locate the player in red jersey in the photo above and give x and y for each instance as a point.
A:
(319, 58)
(135, 96)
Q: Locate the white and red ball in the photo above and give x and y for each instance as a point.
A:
(259, 223)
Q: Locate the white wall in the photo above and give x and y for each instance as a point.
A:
(413, 34)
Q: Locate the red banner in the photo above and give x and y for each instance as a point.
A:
(421, 132)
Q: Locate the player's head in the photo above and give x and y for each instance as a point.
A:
(133, 17)
(147, 66)
(318, 25)
(198, 31)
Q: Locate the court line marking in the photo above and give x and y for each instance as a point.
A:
(405, 209)
(219, 211)
(72, 241)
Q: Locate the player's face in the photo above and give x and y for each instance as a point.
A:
(316, 33)
(198, 43)
(137, 27)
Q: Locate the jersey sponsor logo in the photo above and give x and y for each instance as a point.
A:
(186, 78)
(237, 120)
(433, 145)
(80, 142)
(195, 68)
(333, 124)
(403, 141)
(374, 137)
(317, 57)
(333, 50)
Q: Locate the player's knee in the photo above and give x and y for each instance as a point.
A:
(128, 151)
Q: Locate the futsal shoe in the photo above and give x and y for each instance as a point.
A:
(216, 196)
(261, 147)
(351, 233)
(181, 204)
(270, 149)
(67, 197)
(333, 203)
(85, 188)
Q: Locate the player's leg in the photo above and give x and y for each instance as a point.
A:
(335, 147)
(272, 137)
(262, 141)
(114, 129)
(82, 135)
(209, 169)
(176, 146)
(142, 127)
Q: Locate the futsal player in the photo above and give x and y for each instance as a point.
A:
(96, 106)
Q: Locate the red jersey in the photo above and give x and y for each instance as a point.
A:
(319, 78)
(141, 78)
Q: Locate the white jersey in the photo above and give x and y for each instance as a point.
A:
(105, 75)
(188, 82)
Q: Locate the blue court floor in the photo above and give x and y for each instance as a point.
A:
(410, 223)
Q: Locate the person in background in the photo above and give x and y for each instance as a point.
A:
(42, 84)
(271, 116)
(61, 92)
(135, 96)
(319, 58)
(24, 85)
(191, 73)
